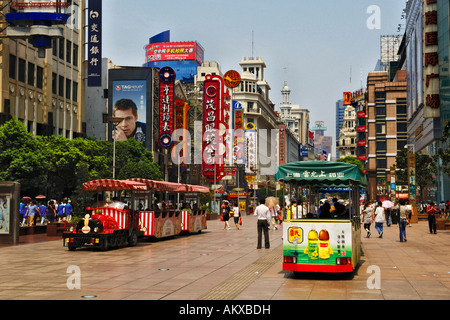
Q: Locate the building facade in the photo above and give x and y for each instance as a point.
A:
(386, 127)
(45, 93)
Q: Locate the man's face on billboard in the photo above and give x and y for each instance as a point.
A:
(126, 128)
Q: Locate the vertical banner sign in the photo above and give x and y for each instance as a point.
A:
(432, 99)
(239, 139)
(166, 110)
(347, 98)
(250, 146)
(212, 107)
(94, 71)
(181, 114)
(282, 144)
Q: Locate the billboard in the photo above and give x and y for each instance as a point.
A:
(128, 90)
(174, 51)
(129, 102)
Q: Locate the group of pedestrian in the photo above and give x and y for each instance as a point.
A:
(30, 211)
(229, 209)
(375, 213)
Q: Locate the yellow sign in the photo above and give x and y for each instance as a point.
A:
(295, 235)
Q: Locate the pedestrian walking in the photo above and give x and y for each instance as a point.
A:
(43, 212)
(32, 210)
(60, 211)
(226, 215)
(367, 219)
(68, 211)
(431, 210)
(22, 212)
(379, 219)
(403, 220)
(236, 215)
(51, 213)
(264, 218)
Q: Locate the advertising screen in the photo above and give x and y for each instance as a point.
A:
(129, 102)
(174, 51)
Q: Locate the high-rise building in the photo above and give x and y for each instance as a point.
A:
(45, 93)
(386, 126)
(340, 109)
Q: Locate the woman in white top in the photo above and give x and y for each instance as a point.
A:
(236, 215)
(379, 219)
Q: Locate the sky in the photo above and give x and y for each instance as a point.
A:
(322, 47)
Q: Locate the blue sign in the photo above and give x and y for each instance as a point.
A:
(305, 152)
(94, 72)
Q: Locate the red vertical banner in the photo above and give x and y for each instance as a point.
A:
(166, 107)
(212, 146)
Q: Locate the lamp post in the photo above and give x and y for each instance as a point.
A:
(115, 121)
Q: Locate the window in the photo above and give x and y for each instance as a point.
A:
(381, 111)
(381, 163)
(39, 77)
(55, 47)
(75, 55)
(402, 127)
(381, 128)
(401, 109)
(22, 70)
(31, 74)
(75, 91)
(54, 83)
(61, 86)
(381, 146)
(68, 88)
(69, 51)
(12, 66)
(61, 48)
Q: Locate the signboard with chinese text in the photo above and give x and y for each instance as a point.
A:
(166, 109)
(175, 51)
(94, 72)
(238, 130)
(251, 142)
(431, 60)
(212, 161)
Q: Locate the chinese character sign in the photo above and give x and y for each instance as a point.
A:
(212, 148)
(166, 107)
(431, 60)
(95, 43)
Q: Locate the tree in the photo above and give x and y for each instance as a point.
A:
(444, 150)
(22, 158)
(352, 160)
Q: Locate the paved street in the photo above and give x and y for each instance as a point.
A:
(225, 265)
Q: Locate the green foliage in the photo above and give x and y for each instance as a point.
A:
(22, 158)
(57, 167)
(352, 160)
(444, 150)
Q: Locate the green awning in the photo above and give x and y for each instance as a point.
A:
(321, 174)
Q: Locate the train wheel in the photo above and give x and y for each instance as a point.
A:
(104, 245)
(133, 239)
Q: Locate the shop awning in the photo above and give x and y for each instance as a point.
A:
(321, 174)
(113, 185)
(170, 186)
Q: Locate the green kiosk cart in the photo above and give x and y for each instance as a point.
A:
(329, 241)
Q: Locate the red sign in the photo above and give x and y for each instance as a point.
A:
(174, 51)
(362, 157)
(362, 143)
(166, 102)
(362, 129)
(361, 114)
(212, 107)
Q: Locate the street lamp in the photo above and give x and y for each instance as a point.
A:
(115, 121)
